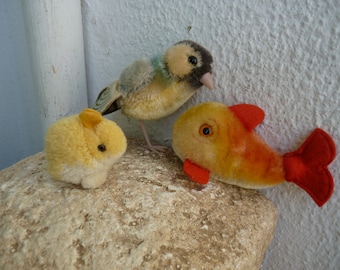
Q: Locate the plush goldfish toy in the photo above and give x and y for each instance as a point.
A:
(217, 141)
(80, 149)
(152, 88)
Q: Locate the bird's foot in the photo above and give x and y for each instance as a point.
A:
(156, 148)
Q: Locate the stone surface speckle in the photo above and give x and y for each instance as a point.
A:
(148, 215)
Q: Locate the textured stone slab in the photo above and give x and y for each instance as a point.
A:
(148, 215)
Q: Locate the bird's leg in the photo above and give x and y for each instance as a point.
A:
(153, 148)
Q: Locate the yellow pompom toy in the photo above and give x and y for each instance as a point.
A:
(80, 149)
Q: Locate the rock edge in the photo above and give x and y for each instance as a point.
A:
(148, 215)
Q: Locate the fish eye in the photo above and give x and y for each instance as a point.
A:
(101, 147)
(192, 60)
(206, 130)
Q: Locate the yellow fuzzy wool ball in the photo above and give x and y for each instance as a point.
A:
(80, 149)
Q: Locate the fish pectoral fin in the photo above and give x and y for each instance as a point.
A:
(195, 172)
(250, 115)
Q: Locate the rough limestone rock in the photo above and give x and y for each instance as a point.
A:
(148, 215)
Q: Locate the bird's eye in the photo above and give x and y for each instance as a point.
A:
(206, 130)
(192, 60)
(101, 147)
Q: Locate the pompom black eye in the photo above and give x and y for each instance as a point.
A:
(192, 60)
(206, 130)
(101, 147)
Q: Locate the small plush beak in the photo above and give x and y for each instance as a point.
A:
(207, 80)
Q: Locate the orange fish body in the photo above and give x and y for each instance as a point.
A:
(218, 141)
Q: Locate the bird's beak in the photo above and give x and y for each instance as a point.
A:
(207, 80)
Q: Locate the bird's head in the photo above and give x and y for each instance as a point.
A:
(187, 60)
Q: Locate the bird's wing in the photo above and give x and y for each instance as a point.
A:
(106, 100)
(136, 76)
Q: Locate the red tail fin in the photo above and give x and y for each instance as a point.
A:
(307, 166)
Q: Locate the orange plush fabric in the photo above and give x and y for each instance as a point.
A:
(216, 141)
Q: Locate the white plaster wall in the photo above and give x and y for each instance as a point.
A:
(281, 55)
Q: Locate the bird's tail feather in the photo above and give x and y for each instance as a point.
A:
(307, 166)
(108, 99)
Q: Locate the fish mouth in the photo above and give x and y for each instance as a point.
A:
(207, 80)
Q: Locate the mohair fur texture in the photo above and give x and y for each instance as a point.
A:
(152, 88)
(80, 149)
(218, 141)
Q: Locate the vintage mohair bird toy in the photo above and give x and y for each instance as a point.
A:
(217, 141)
(153, 88)
(80, 149)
